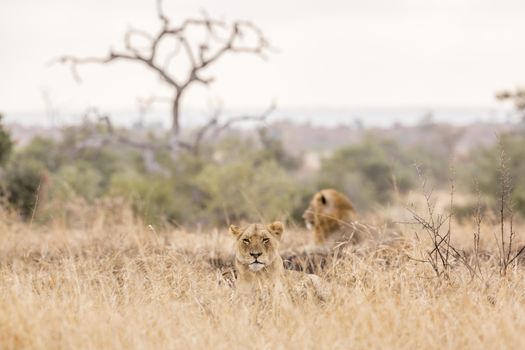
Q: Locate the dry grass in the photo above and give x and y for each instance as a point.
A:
(120, 284)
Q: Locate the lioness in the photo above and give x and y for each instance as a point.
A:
(260, 267)
(330, 215)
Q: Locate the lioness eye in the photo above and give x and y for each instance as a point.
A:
(266, 240)
(246, 241)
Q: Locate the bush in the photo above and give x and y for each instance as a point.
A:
(151, 197)
(372, 170)
(484, 167)
(82, 179)
(22, 181)
(6, 145)
(243, 190)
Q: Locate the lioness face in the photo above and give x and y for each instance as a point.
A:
(257, 245)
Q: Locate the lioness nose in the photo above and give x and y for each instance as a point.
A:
(256, 255)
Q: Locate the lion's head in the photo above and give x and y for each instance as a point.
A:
(257, 245)
(327, 212)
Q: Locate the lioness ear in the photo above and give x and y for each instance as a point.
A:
(323, 199)
(276, 228)
(235, 230)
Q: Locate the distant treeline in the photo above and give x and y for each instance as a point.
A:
(236, 177)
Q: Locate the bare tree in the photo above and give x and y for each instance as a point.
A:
(220, 38)
(517, 97)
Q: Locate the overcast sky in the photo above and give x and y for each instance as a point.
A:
(332, 53)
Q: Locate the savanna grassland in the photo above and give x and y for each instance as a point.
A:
(113, 282)
(114, 229)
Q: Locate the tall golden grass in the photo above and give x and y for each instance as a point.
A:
(119, 284)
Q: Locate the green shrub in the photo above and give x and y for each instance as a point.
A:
(82, 179)
(22, 181)
(6, 144)
(372, 170)
(243, 190)
(484, 168)
(152, 197)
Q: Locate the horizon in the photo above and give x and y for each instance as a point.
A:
(316, 116)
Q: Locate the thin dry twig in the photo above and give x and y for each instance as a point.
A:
(440, 254)
(507, 236)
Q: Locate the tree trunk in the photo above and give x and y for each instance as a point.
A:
(175, 114)
(175, 126)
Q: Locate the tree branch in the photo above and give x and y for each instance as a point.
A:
(217, 127)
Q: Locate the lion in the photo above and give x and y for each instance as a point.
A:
(260, 267)
(330, 216)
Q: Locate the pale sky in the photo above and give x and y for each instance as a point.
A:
(332, 53)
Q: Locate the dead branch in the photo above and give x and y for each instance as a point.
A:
(439, 230)
(216, 127)
(98, 139)
(244, 118)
